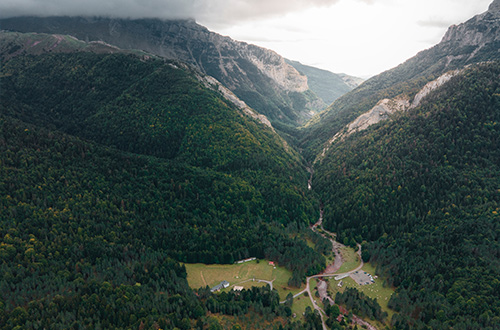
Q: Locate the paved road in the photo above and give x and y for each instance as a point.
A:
(268, 282)
(338, 258)
(257, 280)
(315, 305)
(335, 247)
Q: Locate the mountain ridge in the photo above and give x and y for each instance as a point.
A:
(258, 76)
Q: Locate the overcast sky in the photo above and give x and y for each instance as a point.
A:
(358, 37)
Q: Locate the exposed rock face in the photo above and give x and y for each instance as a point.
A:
(350, 80)
(475, 40)
(258, 76)
(386, 107)
(494, 7)
(433, 85)
(381, 111)
(275, 67)
(212, 83)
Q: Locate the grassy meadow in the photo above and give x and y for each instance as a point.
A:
(201, 275)
(351, 260)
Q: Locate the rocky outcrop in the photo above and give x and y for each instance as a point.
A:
(386, 107)
(351, 81)
(433, 85)
(260, 77)
(475, 40)
(381, 111)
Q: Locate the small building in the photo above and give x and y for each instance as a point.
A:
(245, 260)
(271, 263)
(237, 288)
(220, 286)
(340, 284)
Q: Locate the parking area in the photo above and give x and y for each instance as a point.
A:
(362, 278)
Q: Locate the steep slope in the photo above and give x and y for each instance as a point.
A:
(111, 165)
(387, 109)
(409, 167)
(424, 189)
(327, 85)
(474, 41)
(258, 76)
(141, 106)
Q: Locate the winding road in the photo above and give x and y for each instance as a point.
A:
(330, 271)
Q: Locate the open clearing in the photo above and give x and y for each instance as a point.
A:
(201, 275)
(351, 260)
(300, 304)
(375, 290)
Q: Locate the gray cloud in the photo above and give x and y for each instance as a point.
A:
(215, 11)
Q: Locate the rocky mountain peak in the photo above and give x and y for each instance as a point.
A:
(480, 32)
(494, 7)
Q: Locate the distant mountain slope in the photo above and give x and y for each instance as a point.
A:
(258, 76)
(351, 81)
(327, 85)
(13, 44)
(471, 42)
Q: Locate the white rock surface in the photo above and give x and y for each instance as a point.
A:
(433, 85)
(385, 108)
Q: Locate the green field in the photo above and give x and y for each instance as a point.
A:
(312, 286)
(201, 275)
(300, 304)
(351, 260)
(375, 290)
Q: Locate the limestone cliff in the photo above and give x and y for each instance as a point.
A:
(386, 107)
(327, 85)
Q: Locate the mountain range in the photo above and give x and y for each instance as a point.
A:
(258, 76)
(128, 147)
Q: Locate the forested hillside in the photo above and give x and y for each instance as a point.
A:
(112, 167)
(424, 189)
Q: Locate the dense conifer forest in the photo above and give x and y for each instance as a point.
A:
(112, 167)
(424, 190)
